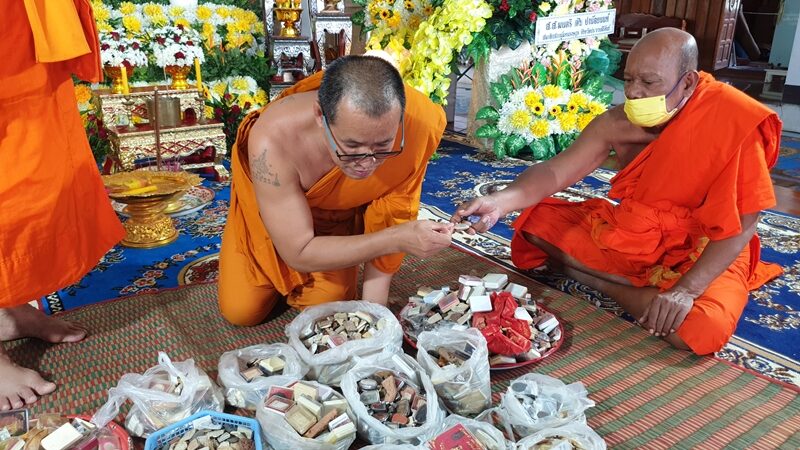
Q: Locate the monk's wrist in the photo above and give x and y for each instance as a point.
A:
(689, 286)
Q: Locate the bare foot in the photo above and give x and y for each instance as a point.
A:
(26, 321)
(20, 386)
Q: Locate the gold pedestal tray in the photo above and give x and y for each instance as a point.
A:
(147, 195)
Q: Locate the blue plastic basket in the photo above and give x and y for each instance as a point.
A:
(164, 435)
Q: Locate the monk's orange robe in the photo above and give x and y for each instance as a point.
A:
(708, 167)
(56, 220)
(252, 272)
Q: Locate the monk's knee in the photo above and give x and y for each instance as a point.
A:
(703, 334)
(247, 310)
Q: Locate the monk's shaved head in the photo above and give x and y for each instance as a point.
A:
(370, 84)
(677, 45)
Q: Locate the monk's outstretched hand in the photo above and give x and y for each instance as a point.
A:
(667, 311)
(485, 209)
(424, 238)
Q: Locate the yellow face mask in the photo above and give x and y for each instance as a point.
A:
(651, 111)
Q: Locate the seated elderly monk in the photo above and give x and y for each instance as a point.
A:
(678, 251)
(324, 179)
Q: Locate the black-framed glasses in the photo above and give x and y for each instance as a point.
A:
(358, 157)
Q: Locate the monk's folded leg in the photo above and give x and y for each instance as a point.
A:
(240, 302)
(713, 318)
(324, 287)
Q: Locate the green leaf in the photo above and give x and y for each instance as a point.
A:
(499, 146)
(358, 17)
(593, 85)
(512, 12)
(540, 72)
(516, 80)
(528, 33)
(598, 62)
(543, 148)
(488, 131)
(514, 144)
(564, 79)
(563, 141)
(605, 97)
(360, 2)
(506, 80)
(488, 113)
(496, 27)
(514, 40)
(499, 93)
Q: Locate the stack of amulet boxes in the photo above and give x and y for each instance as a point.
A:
(338, 328)
(315, 412)
(261, 367)
(392, 400)
(433, 308)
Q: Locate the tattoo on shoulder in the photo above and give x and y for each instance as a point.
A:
(262, 170)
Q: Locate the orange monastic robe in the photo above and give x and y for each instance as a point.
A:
(56, 221)
(339, 205)
(708, 167)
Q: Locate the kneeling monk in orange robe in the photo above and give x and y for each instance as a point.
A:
(679, 250)
(56, 221)
(324, 179)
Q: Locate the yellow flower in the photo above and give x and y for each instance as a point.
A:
(538, 109)
(239, 83)
(580, 99)
(583, 120)
(414, 22)
(596, 108)
(544, 7)
(101, 12)
(208, 112)
(127, 8)
(152, 10)
(572, 106)
(555, 110)
(83, 93)
(223, 12)
(568, 121)
(385, 14)
(132, 24)
(393, 21)
(540, 128)
(409, 5)
(520, 119)
(182, 21)
(104, 27)
(551, 91)
(204, 13)
(176, 11)
(532, 99)
(261, 97)
(219, 89)
(427, 10)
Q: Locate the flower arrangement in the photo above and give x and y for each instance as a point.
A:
(230, 99)
(422, 36)
(176, 46)
(96, 131)
(117, 49)
(514, 22)
(541, 109)
(444, 33)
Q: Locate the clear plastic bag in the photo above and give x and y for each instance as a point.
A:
(240, 393)
(554, 403)
(489, 436)
(329, 366)
(465, 389)
(578, 435)
(281, 436)
(402, 365)
(496, 418)
(156, 401)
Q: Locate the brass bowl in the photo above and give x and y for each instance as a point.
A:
(288, 18)
(147, 195)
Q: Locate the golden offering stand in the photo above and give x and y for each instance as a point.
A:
(147, 195)
(288, 13)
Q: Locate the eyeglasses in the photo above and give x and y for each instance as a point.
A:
(358, 157)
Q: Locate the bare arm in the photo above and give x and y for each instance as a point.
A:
(287, 217)
(376, 284)
(544, 179)
(717, 257)
(668, 309)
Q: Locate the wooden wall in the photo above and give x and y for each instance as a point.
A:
(710, 21)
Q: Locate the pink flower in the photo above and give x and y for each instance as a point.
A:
(190, 43)
(115, 35)
(532, 17)
(179, 55)
(504, 6)
(177, 39)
